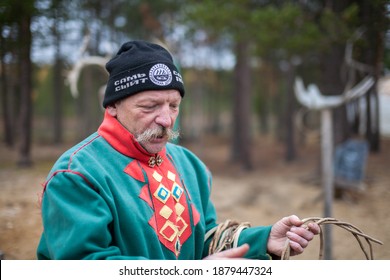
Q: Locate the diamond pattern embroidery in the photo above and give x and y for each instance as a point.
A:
(179, 209)
(171, 219)
(181, 225)
(162, 193)
(171, 176)
(177, 191)
(157, 176)
(166, 212)
(169, 230)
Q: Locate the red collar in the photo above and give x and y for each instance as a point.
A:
(123, 141)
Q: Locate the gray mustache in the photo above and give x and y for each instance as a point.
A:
(158, 132)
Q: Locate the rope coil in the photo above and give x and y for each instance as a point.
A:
(356, 232)
(226, 236)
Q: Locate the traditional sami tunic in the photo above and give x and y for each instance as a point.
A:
(107, 198)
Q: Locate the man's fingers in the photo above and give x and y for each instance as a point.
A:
(238, 252)
(314, 228)
(302, 232)
(234, 253)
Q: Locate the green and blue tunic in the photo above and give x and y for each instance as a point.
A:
(107, 198)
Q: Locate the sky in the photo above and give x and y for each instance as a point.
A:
(184, 51)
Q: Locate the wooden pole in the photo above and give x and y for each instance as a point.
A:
(327, 175)
(313, 99)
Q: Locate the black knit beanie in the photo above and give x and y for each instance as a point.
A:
(140, 66)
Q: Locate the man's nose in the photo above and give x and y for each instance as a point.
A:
(164, 117)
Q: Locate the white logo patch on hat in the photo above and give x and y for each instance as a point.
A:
(160, 75)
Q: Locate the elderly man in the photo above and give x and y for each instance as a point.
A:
(125, 192)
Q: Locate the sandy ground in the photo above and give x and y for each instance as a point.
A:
(272, 190)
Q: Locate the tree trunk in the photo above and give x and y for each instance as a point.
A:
(88, 101)
(57, 90)
(241, 138)
(372, 121)
(374, 16)
(289, 115)
(26, 92)
(6, 105)
(57, 106)
(332, 84)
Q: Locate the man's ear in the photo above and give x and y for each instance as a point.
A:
(112, 110)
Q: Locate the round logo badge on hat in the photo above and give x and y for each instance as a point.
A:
(160, 74)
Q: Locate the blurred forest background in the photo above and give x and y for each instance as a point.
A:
(239, 60)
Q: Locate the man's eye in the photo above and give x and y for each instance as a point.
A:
(149, 107)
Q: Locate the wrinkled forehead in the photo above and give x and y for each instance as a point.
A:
(162, 95)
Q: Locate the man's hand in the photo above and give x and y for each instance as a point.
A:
(290, 229)
(234, 253)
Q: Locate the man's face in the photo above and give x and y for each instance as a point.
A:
(154, 110)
